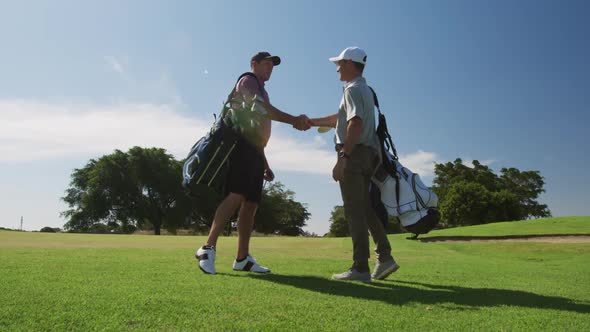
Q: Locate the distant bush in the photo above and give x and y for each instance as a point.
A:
(99, 229)
(128, 229)
(48, 229)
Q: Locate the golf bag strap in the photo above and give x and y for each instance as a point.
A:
(396, 177)
(238, 81)
(387, 142)
(376, 99)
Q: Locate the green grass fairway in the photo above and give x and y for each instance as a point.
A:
(57, 282)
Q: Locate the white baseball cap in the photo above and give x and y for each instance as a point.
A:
(352, 53)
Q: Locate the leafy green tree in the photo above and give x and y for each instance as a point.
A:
(203, 203)
(476, 195)
(466, 203)
(452, 172)
(527, 186)
(280, 213)
(140, 188)
(338, 223)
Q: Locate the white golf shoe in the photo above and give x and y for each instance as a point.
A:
(249, 264)
(206, 257)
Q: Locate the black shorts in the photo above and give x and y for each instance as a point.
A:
(245, 175)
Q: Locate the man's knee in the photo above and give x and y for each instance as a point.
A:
(249, 207)
(230, 204)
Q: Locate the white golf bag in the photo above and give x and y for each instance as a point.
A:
(403, 195)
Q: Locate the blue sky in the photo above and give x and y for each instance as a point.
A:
(504, 82)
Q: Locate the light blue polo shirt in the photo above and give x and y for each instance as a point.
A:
(357, 101)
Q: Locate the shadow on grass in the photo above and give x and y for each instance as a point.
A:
(402, 292)
(500, 237)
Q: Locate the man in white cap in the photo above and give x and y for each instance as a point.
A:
(358, 157)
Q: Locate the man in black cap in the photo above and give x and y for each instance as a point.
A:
(248, 168)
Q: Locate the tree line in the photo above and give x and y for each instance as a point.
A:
(141, 190)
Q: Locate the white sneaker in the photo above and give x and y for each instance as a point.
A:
(383, 270)
(249, 264)
(206, 257)
(353, 274)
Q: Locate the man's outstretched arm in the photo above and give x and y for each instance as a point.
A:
(300, 122)
(328, 121)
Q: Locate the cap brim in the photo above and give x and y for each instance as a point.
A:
(335, 59)
(275, 60)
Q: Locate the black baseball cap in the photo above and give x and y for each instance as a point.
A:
(265, 55)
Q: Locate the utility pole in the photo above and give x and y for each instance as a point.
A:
(21, 223)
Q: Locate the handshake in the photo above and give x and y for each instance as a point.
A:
(302, 122)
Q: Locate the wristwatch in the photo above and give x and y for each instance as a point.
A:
(342, 154)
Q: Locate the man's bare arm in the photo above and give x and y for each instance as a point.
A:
(353, 134)
(328, 121)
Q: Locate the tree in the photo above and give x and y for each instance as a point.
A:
(466, 203)
(476, 195)
(141, 189)
(203, 203)
(527, 186)
(159, 199)
(338, 223)
(138, 188)
(279, 213)
(505, 206)
(452, 172)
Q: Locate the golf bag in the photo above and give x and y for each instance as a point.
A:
(207, 162)
(400, 191)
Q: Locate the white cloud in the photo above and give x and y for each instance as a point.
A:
(487, 162)
(420, 162)
(288, 154)
(320, 140)
(35, 130)
(41, 131)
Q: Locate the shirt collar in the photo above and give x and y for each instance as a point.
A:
(358, 79)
